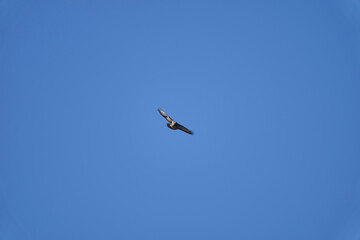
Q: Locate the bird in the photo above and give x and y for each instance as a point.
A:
(173, 124)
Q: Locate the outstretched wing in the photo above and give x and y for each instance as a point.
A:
(165, 115)
(182, 128)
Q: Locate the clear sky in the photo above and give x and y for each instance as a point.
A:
(270, 88)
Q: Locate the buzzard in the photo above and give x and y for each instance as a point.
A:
(174, 125)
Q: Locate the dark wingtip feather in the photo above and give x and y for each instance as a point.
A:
(189, 132)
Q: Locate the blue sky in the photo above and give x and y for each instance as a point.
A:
(270, 88)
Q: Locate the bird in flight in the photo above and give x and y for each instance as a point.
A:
(174, 125)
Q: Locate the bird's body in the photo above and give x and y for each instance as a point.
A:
(173, 124)
(168, 124)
